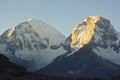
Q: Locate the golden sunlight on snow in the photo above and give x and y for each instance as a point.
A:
(82, 33)
(10, 34)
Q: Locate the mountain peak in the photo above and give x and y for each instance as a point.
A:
(82, 33)
(91, 27)
(30, 19)
(33, 41)
(34, 20)
(92, 18)
(96, 51)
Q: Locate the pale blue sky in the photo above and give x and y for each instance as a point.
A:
(61, 14)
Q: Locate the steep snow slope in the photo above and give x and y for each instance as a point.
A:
(93, 51)
(34, 42)
(82, 33)
(100, 35)
(82, 63)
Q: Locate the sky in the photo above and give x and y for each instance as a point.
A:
(61, 14)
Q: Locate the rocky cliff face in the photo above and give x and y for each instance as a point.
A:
(100, 35)
(94, 51)
(83, 33)
(94, 29)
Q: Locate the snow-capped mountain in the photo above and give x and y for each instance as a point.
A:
(93, 51)
(100, 35)
(103, 38)
(32, 44)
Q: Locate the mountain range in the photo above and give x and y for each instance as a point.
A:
(91, 50)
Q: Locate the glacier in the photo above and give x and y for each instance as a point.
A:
(32, 44)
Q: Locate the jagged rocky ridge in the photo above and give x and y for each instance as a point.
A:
(100, 35)
(92, 50)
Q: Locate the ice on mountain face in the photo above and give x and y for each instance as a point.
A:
(94, 29)
(31, 41)
(104, 32)
(108, 54)
(82, 33)
(106, 41)
(9, 34)
(98, 33)
(47, 32)
(40, 58)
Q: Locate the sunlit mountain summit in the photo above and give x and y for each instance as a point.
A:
(91, 50)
